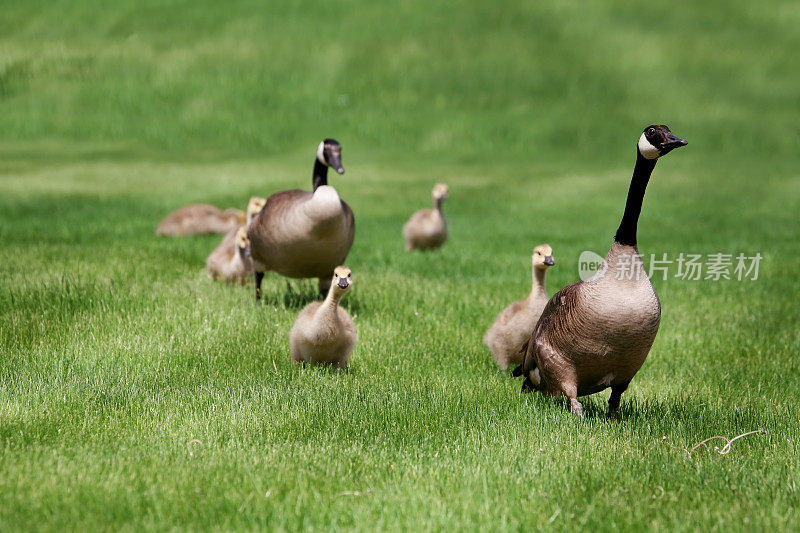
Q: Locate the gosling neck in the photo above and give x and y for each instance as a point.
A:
(320, 174)
(437, 204)
(333, 297)
(538, 286)
(626, 233)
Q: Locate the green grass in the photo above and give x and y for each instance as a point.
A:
(134, 392)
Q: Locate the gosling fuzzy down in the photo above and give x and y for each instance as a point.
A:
(197, 219)
(427, 228)
(324, 333)
(514, 324)
(231, 260)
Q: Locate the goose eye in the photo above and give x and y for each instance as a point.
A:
(349, 275)
(651, 131)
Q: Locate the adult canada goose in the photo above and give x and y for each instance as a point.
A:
(597, 333)
(200, 218)
(230, 260)
(323, 331)
(514, 325)
(302, 234)
(427, 228)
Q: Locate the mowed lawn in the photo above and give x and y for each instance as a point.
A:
(136, 393)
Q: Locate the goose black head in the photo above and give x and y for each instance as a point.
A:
(329, 153)
(658, 140)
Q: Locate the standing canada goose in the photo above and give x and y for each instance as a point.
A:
(596, 333)
(200, 218)
(302, 234)
(230, 260)
(514, 325)
(323, 331)
(427, 228)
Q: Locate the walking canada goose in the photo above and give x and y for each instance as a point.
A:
(230, 260)
(200, 218)
(324, 332)
(427, 228)
(302, 234)
(514, 325)
(596, 333)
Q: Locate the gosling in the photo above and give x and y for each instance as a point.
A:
(231, 260)
(200, 218)
(514, 325)
(427, 228)
(324, 333)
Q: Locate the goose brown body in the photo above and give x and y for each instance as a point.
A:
(597, 333)
(200, 218)
(302, 234)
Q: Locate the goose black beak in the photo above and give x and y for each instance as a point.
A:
(671, 143)
(336, 163)
(549, 261)
(343, 284)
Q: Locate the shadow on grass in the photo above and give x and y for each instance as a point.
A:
(299, 294)
(295, 296)
(678, 410)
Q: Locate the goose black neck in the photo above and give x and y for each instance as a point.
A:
(320, 174)
(626, 234)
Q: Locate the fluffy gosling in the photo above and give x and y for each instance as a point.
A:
(427, 228)
(514, 325)
(324, 332)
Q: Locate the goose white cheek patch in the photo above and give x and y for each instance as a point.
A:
(646, 149)
(320, 155)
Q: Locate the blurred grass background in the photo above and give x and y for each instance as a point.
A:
(117, 352)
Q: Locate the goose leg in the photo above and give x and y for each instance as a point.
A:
(576, 407)
(259, 278)
(616, 395)
(325, 285)
(571, 392)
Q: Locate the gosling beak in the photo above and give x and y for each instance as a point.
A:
(336, 163)
(671, 143)
(549, 261)
(343, 284)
